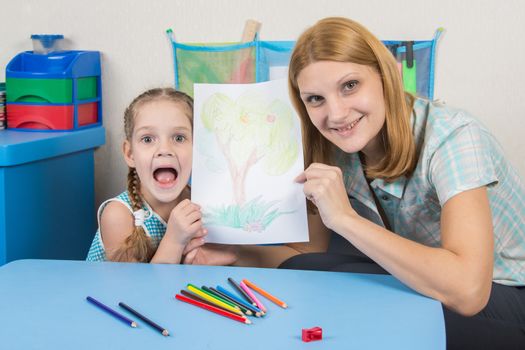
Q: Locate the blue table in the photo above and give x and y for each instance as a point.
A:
(43, 306)
(47, 200)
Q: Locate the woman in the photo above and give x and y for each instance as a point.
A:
(448, 207)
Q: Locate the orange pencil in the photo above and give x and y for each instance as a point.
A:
(265, 294)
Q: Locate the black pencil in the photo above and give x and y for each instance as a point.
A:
(218, 297)
(240, 300)
(198, 298)
(213, 291)
(242, 305)
(241, 291)
(162, 330)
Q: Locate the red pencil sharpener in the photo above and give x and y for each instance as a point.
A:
(311, 334)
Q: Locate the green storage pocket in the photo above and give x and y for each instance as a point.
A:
(213, 64)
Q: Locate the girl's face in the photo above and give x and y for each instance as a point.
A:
(161, 149)
(345, 103)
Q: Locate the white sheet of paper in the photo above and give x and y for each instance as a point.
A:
(247, 150)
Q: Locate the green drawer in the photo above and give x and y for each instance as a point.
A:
(86, 88)
(49, 90)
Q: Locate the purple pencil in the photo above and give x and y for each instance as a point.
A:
(111, 312)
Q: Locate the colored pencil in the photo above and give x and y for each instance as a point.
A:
(198, 298)
(162, 330)
(240, 290)
(216, 296)
(226, 300)
(244, 309)
(265, 294)
(202, 300)
(254, 309)
(111, 311)
(213, 300)
(213, 309)
(250, 293)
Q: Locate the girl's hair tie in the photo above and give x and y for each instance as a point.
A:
(140, 215)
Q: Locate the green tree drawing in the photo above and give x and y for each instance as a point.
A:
(247, 131)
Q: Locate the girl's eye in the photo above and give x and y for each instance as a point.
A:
(146, 139)
(314, 99)
(350, 85)
(180, 138)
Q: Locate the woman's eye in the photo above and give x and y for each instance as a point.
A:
(146, 139)
(314, 99)
(350, 85)
(180, 138)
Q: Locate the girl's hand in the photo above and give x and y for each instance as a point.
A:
(185, 223)
(324, 186)
(210, 254)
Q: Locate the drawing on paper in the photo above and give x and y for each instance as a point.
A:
(250, 131)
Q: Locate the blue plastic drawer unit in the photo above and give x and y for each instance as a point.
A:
(47, 204)
(57, 91)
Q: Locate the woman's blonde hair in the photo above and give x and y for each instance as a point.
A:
(343, 40)
(138, 245)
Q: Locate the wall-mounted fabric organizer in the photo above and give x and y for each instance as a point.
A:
(259, 60)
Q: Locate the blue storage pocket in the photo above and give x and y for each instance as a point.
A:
(273, 58)
(259, 61)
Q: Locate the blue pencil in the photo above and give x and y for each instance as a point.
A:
(111, 312)
(254, 309)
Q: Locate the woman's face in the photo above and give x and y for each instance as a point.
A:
(345, 103)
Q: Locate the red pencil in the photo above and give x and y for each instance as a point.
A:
(213, 309)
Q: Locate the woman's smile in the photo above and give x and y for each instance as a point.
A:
(345, 130)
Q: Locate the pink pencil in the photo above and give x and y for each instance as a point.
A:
(250, 293)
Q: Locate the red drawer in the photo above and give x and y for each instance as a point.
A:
(46, 117)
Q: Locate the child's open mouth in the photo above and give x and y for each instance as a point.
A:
(166, 177)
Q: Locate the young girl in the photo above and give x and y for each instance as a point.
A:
(154, 220)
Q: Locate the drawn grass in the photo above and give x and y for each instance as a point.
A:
(253, 216)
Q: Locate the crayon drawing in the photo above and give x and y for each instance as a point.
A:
(247, 151)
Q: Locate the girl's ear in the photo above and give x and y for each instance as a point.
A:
(128, 155)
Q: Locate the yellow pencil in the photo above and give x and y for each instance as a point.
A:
(213, 300)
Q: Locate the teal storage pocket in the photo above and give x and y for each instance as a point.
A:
(416, 64)
(259, 61)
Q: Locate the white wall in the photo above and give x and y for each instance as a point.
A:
(480, 61)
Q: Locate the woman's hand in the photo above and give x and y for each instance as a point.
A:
(324, 186)
(209, 254)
